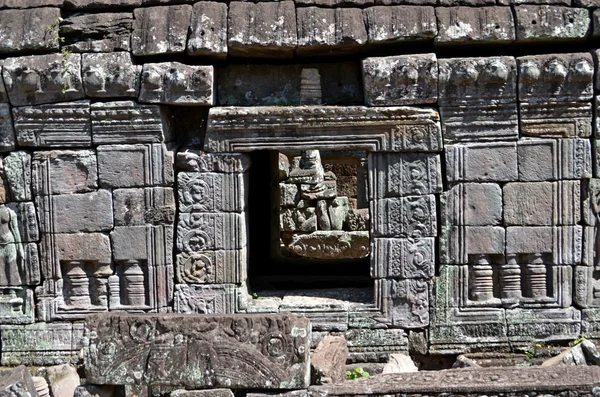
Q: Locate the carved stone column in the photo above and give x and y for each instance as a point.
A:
(77, 286)
(510, 279)
(481, 280)
(134, 284)
(535, 276)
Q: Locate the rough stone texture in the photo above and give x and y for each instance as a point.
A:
(328, 360)
(403, 257)
(202, 393)
(275, 357)
(400, 80)
(407, 302)
(146, 165)
(33, 80)
(211, 192)
(30, 3)
(102, 4)
(555, 92)
(571, 356)
(64, 172)
(399, 363)
(160, 30)
(55, 125)
(199, 161)
(263, 29)
(205, 299)
(563, 243)
(473, 25)
(279, 85)
(408, 217)
(7, 131)
(177, 84)
(551, 22)
(384, 129)
(31, 30)
(151, 205)
(473, 204)
(18, 382)
(393, 24)
(17, 171)
(205, 231)
(550, 159)
(103, 32)
(478, 99)
(63, 380)
(330, 245)
(330, 31)
(208, 30)
(72, 213)
(482, 162)
(128, 122)
(110, 75)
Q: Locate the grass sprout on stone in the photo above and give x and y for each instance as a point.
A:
(356, 373)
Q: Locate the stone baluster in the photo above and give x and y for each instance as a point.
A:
(535, 273)
(481, 282)
(134, 286)
(510, 279)
(77, 286)
(310, 87)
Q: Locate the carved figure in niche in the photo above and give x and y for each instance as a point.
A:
(309, 170)
(11, 250)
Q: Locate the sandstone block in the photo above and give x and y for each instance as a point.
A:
(26, 221)
(110, 75)
(328, 361)
(16, 305)
(408, 302)
(30, 30)
(534, 324)
(400, 80)
(551, 22)
(478, 99)
(410, 216)
(38, 79)
(212, 267)
(388, 24)
(365, 345)
(563, 243)
(474, 24)
(102, 32)
(399, 363)
(55, 125)
(133, 243)
(176, 83)
(211, 192)
(123, 166)
(64, 172)
(263, 29)
(472, 204)
(403, 258)
(7, 132)
(325, 30)
(482, 162)
(548, 203)
(458, 243)
(128, 122)
(102, 4)
(199, 161)
(137, 207)
(19, 381)
(208, 30)
(202, 393)
(63, 380)
(72, 213)
(255, 366)
(30, 4)
(289, 195)
(160, 30)
(330, 244)
(205, 299)
(17, 171)
(549, 159)
(198, 232)
(3, 95)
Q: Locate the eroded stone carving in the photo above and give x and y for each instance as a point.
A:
(176, 83)
(160, 30)
(110, 75)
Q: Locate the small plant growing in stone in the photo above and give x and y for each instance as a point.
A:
(53, 29)
(580, 339)
(356, 373)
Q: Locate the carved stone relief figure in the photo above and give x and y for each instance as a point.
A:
(11, 250)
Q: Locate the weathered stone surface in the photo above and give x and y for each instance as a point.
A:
(280, 85)
(530, 324)
(72, 213)
(205, 299)
(212, 267)
(392, 24)
(202, 393)
(26, 222)
(399, 363)
(277, 358)
(110, 75)
(16, 305)
(177, 84)
(145, 165)
(38, 79)
(7, 132)
(3, 95)
(328, 361)
(18, 382)
(555, 93)
(563, 243)
(128, 122)
(478, 99)
(324, 127)
(208, 30)
(102, 4)
(375, 345)
(551, 22)
(64, 172)
(211, 192)
(197, 232)
(571, 356)
(458, 243)
(472, 204)
(102, 32)
(263, 29)
(407, 302)
(473, 25)
(63, 380)
(549, 159)
(408, 217)
(55, 125)
(151, 205)
(30, 3)
(17, 171)
(548, 203)
(31, 30)
(403, 258)
(325, 30)
(88, 390)
(199, 161)
(330, 244)
(482, 162)
(400, 80)
(40, 343)
(160, 30)
(476, 380)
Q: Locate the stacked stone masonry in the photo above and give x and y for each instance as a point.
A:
(128, 130)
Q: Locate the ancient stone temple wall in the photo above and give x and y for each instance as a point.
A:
(448, 147)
